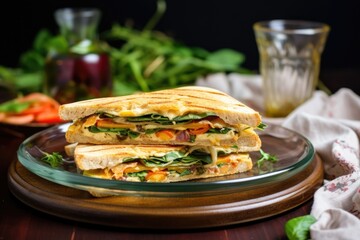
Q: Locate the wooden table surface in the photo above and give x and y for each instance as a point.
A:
(19, 221)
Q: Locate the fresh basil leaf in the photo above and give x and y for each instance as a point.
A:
(299, 228)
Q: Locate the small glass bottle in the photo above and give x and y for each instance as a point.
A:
(81, 71)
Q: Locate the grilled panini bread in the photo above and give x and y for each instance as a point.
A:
(180, 116)
(158, 163)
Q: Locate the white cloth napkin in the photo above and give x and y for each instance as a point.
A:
(332, 124)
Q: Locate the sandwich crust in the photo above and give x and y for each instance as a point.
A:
(170, 103)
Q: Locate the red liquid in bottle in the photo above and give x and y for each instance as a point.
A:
(79, 77)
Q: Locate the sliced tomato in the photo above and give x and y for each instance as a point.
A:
(39, 107)
(19, 119)
(39, 97)
(42, 109)
(48, 117)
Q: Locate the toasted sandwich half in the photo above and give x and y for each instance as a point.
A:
(158, 163)
(181, 116)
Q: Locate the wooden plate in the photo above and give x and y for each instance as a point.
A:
(165, 212)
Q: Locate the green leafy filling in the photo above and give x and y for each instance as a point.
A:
(157, 118)
(187, 164)
(175, 158)
(122, 132)
(141, 175)
(223, 130)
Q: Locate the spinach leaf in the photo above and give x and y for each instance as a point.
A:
(174, 158)
(299, 228)
(141, 175)
(122, 132)
(192, 116)
(157, 118)
(224, 130)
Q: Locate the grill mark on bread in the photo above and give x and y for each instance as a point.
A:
(191, 104)
(209, 90)
(186, 93)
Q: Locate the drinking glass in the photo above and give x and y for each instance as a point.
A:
(290, 53)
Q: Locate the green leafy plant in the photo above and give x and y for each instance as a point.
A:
(142, 60)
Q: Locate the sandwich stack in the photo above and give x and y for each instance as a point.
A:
(170, 135)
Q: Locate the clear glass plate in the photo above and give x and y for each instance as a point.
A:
(294, 153)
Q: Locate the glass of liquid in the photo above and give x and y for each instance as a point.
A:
(290, 53)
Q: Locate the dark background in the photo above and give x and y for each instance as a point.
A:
(211, 25)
